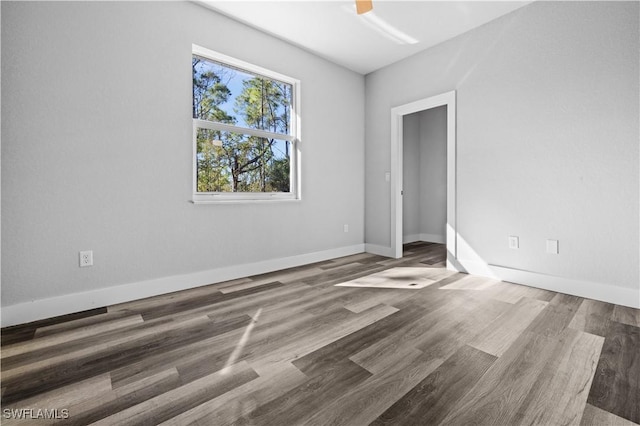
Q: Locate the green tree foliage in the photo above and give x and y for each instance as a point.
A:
(232, 162)
(209, 92)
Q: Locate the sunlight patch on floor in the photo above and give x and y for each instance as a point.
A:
(400, 277)
(241, 344)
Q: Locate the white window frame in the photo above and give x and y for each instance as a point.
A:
(293, 137)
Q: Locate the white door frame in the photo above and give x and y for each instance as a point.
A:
(397, 115)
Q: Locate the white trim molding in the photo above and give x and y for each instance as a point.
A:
(447, 99)
(70, 303)
(379, 250)
(292, 135)
(610, 293)
(427, 238)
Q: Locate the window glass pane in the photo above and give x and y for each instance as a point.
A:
(229, 95)
(232, 162)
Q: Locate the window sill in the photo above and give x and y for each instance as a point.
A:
(224, 200)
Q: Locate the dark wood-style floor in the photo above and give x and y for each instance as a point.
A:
(290, 348)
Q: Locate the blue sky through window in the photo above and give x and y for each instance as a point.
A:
(235, 79)
(251, 160)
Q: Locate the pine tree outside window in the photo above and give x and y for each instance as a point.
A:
(245, 131)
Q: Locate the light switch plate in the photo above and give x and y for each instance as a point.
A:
(552, 247)
(514, 242)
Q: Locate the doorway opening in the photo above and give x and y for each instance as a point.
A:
(398, 114)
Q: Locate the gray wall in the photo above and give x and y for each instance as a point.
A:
(547, 146)
(96, 144)
(97, 149)
(433, 173)
(425, 175)
(411, 177)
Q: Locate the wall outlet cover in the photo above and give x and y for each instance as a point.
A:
(86, 258)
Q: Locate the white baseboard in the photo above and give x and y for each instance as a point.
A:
(379, 250)
(406, 239)
(428, 238)
(618, 295)
(76, 302)
(433, 238)
(46, 308)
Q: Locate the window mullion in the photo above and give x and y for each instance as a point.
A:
(212, 125)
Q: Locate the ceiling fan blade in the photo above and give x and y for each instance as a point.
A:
(364, 6)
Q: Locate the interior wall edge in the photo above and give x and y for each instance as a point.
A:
(25, 312)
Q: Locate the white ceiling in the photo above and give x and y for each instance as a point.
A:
(332, 29)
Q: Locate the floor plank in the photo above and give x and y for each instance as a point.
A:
(559, 394)
(498, 396)
(67, 397)
(432, 399)
(301, 402)
(594, 416)
(123, 398)
(355, 406)
(239, 402)
(170, 404)
(616, 386)
(593, 317)
(556, 316)
(22, 332)
(626, 315)
(504, 330)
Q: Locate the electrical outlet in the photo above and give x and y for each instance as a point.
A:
(346, 228)
(86, 258)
